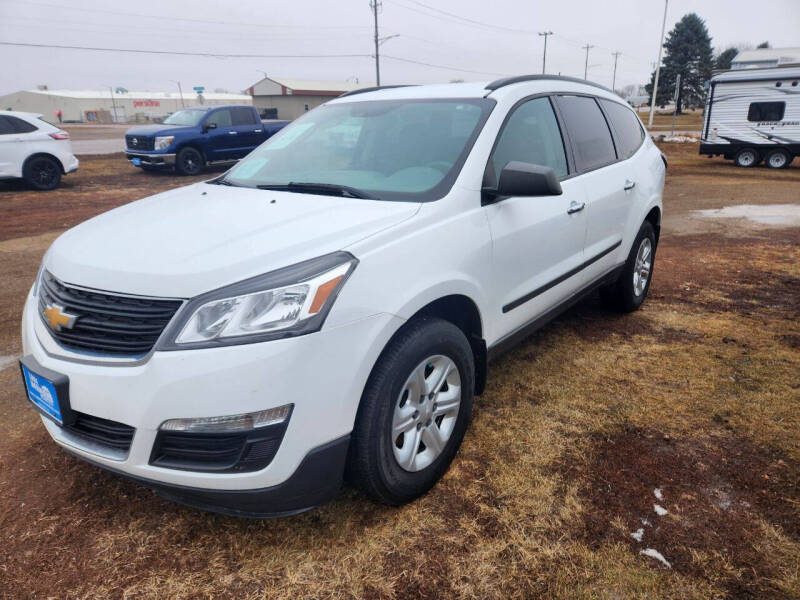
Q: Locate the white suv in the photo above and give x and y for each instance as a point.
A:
(329, 305)
(34, 150)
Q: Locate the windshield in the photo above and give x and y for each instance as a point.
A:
(186, 117)
(390, 149)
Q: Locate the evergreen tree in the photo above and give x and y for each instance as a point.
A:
(723, 60)
(688, 52)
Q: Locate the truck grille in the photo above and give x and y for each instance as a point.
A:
(106, 323)
(139, 142)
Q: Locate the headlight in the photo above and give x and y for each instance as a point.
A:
(163, 142)
(285, 303)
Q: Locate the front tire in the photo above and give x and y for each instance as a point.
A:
(746, 157)
(414, 412)
(42, 173)
(629, 291)
(778, 159)
(189, 161)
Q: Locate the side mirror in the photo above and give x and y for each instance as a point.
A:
(207, 126)
(525, 179)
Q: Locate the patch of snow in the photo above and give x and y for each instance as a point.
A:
(6, 361)
(659, 496)
(660, 510)
(638, 534)
(657, 555)
(680, 139)
(645, 522)
(764, 214)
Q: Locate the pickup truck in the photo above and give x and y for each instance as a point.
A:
(192, 138)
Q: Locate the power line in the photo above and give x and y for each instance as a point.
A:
(427, 64)
(466, 20)
(183, 53)
(187, 19)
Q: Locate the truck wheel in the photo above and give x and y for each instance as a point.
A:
(42, 172)
(189, 161)
(778, 159)
(629, 291)
(414, 412)
(746, 157)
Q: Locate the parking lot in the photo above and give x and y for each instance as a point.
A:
(689, 404)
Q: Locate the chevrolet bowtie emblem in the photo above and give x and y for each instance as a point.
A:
(57, 318)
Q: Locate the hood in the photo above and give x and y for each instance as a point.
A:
(147, 130)
(201, 237)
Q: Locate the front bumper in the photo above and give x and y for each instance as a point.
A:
(152, 160)
(323, 374)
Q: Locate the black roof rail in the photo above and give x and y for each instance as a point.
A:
(498, 83)
(374, 88)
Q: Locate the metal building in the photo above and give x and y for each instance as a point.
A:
(293, 97)
(103, 106)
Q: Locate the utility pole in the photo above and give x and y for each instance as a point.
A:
(180, 92)
(374, 6)
(614, 79)
(113, 106)
(587, 47)
(544, 34)
(658, 66)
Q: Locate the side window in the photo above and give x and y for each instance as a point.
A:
(588, 132)
(243, 116)
(766, 111)
(5, 126)
(18, 125)
(530, 135)
(627, 127)
(221, 117)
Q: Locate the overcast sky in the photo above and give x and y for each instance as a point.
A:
(467, 39)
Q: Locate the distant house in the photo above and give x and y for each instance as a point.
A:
(102, 106)
(766, 58)
(293, 97)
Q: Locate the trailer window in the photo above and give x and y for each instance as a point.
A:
(766, 111)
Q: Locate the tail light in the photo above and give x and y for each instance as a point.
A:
(60, 135)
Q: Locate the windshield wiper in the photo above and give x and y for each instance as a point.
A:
(330, 189)
(223, 181)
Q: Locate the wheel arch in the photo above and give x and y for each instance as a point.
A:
(194, 145)
(46, 155)
(463, 312)
(654, 217)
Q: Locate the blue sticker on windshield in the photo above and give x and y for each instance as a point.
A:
(249, 168)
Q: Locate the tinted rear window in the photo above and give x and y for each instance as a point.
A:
(588, 132)
(626, 126)
(243, 116)
(9, 124)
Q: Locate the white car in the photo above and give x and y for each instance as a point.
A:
(329, 305)
(34, 150)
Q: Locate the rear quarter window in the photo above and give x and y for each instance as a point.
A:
(627, 127)
(588, 132)
(15, 125)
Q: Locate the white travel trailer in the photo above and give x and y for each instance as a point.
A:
(753, 115)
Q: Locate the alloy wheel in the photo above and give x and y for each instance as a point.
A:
(642, 266)
(425, 413)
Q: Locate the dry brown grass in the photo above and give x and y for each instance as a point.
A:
(697, 394)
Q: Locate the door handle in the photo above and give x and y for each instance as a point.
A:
(575, 207)
(629, 185)
(231, 133)
(257, 130)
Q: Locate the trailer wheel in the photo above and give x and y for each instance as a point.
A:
(746, 157)
(778, 159)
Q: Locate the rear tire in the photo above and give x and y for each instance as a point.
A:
(189, 161)
(778, 159)
(747, 158)
(408, 428)
(42, 172)
(629, 291)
